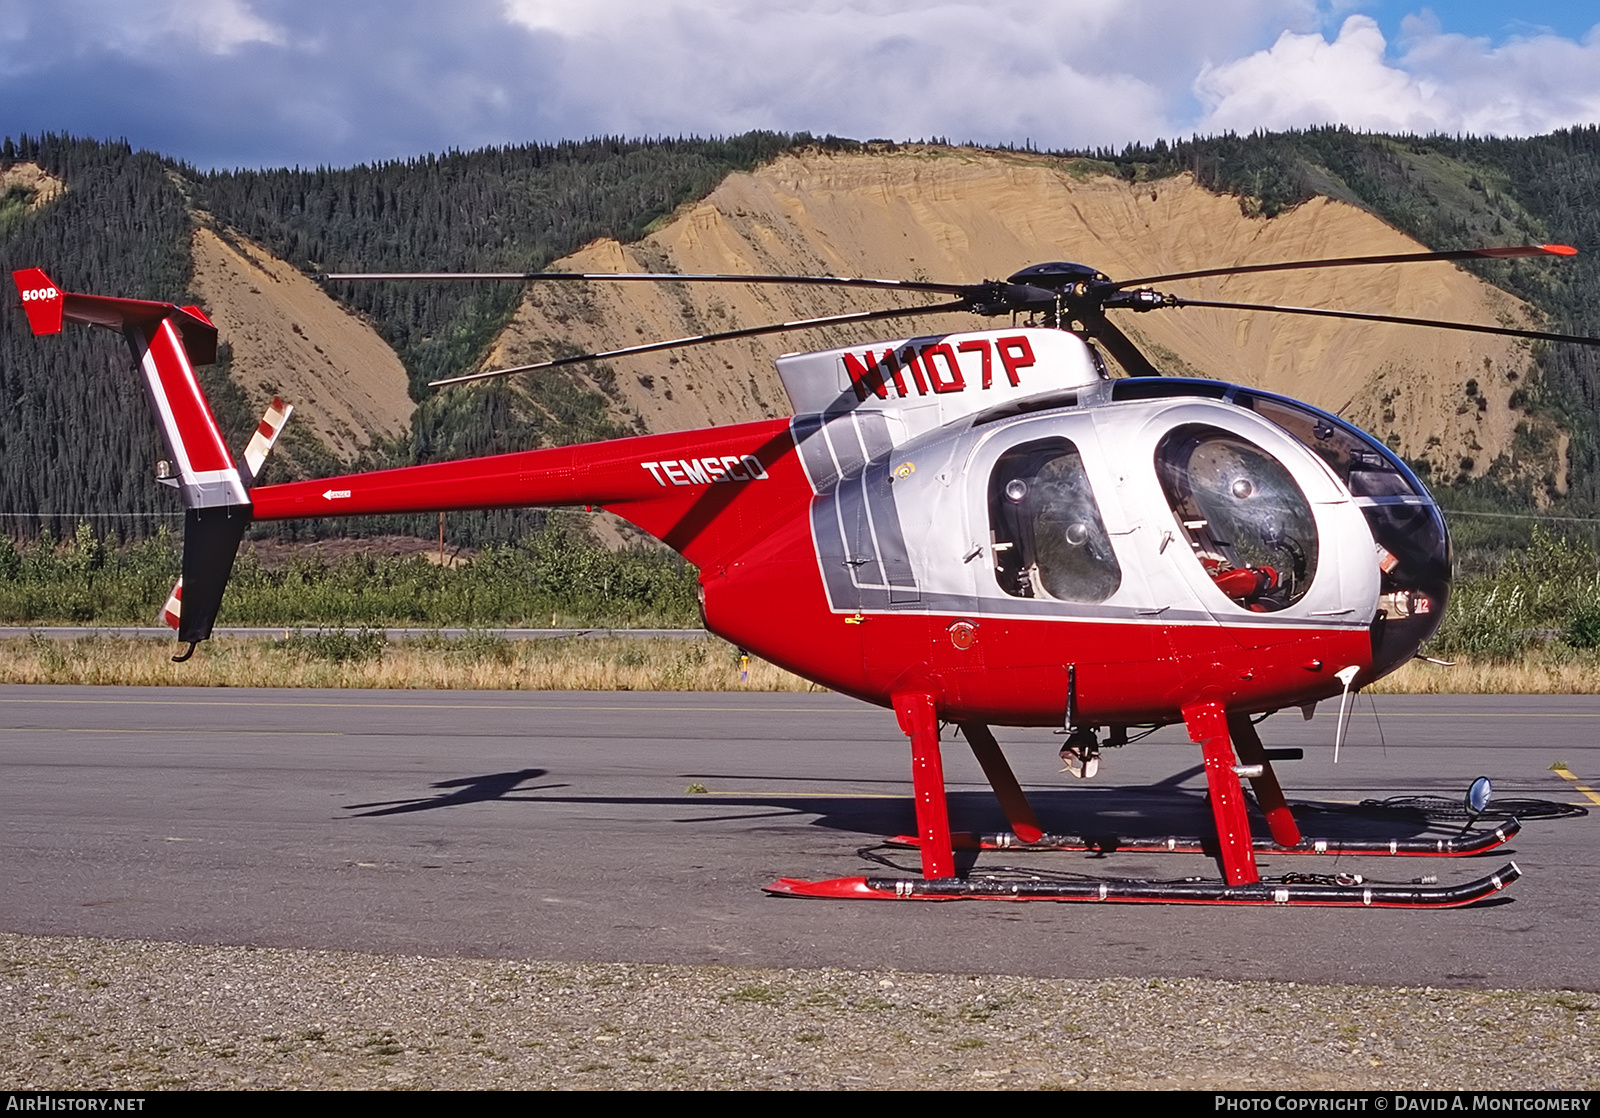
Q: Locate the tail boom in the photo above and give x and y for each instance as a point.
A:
(710, 494)
(702, 492)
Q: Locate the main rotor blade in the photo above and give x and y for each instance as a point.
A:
(1344, 261)
(1537, 335)
(726, 335)
(668, 277)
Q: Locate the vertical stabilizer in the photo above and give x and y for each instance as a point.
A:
(168, 341)
(200, 460)
(41, 300)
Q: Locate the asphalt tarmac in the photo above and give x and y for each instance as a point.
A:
(537, 825)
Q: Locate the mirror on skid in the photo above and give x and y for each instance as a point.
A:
(1478, 799)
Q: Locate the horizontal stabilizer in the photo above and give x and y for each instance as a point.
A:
(42, 301)
(47, 307)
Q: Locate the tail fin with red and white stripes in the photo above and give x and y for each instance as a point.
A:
(168, 341)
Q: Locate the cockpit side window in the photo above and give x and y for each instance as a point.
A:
(1243, 514)
(1047, 537)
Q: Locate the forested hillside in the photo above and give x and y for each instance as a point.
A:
(74, 437)
(506, 209)
(509, 209)
(74, 433)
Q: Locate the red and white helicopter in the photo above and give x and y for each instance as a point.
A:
(981, 528)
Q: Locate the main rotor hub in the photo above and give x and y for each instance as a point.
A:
(1062, 291)
(1060, 276)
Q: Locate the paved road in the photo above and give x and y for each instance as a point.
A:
(557, 825)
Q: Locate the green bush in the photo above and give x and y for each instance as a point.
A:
(1583, 628)
(553, 571)
(1553, 587)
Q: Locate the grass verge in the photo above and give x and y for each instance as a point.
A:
(477, 662)
(1548, 671)
(485, 662)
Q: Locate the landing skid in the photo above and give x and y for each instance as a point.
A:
(1458, 847)
(1231, 750)
(1281, 893)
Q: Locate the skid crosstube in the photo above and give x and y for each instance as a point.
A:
(1458, 847)
(1259, 894)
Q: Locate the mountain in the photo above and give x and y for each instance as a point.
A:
(1495, 423)
(74, 436)
(1444, 399)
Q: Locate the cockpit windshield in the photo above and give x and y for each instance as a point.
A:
(1412, 545)
(1365, 470)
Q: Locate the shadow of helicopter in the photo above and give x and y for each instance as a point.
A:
(468, 790)
(1104, 815)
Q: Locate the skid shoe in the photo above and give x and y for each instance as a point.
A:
(1318, 890)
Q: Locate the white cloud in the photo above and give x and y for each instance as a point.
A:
(222, 25)
(307, 81)
(1089, 72)
(1440, 83)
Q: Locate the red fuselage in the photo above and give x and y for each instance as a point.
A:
(749, 532)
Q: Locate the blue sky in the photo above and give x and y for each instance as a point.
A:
(1496, 21)
(225, 83)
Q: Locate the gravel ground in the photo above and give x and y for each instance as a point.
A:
(101, 1014)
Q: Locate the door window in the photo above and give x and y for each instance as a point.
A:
(1045, 529)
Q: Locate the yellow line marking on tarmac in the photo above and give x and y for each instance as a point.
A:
(1480, 713)
(1567, 774)
(812, 795)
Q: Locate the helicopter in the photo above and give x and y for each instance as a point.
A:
(974, 529)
